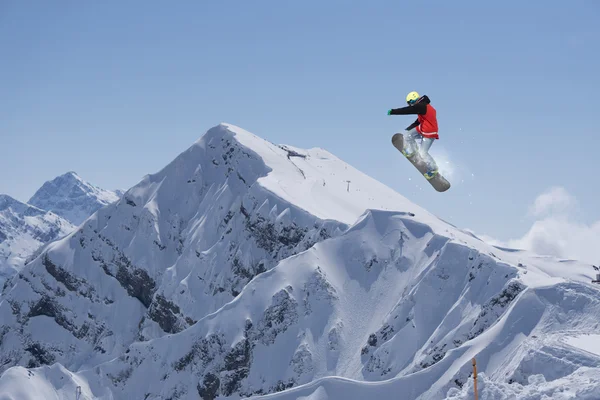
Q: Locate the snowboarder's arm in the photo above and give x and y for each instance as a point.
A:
(419, 108)
(413, 125)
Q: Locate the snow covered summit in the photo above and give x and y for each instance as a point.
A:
(245, 268)
(72, 198)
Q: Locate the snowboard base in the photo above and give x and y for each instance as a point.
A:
(438, 182)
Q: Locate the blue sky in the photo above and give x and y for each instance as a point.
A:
(115, 90)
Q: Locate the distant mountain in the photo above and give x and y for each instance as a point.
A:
(23, 230)
(245, 268)
(54, 211)
(72, 198)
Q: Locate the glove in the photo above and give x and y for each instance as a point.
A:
(389, 112)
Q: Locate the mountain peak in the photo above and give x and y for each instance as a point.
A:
(70, 178)
(71, 197)
(312, 179)
(71, 175)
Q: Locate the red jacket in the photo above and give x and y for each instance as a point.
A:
(426, 123)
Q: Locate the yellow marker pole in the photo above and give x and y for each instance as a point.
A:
(475, 377)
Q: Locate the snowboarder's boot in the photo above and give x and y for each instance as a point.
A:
(430, 174)
(407, 154)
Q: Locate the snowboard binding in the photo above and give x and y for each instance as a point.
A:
(430, 174)
(407, 154)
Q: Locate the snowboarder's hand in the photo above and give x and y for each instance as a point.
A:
(389, 112)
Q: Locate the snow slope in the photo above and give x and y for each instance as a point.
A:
(49, 383)
(72, 198)
(246, 268)
(23, 230)
(389, 299)
(589, 343)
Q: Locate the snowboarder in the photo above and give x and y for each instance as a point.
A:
(424, 129)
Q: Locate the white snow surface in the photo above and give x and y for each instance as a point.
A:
(245, 268)
(72, 198)
(48, 383)
(589, 343)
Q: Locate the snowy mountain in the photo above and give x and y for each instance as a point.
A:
(53, 211)
(245, 268)
(72, 198)
(23, 230)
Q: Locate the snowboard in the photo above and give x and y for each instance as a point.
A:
(438, 182)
